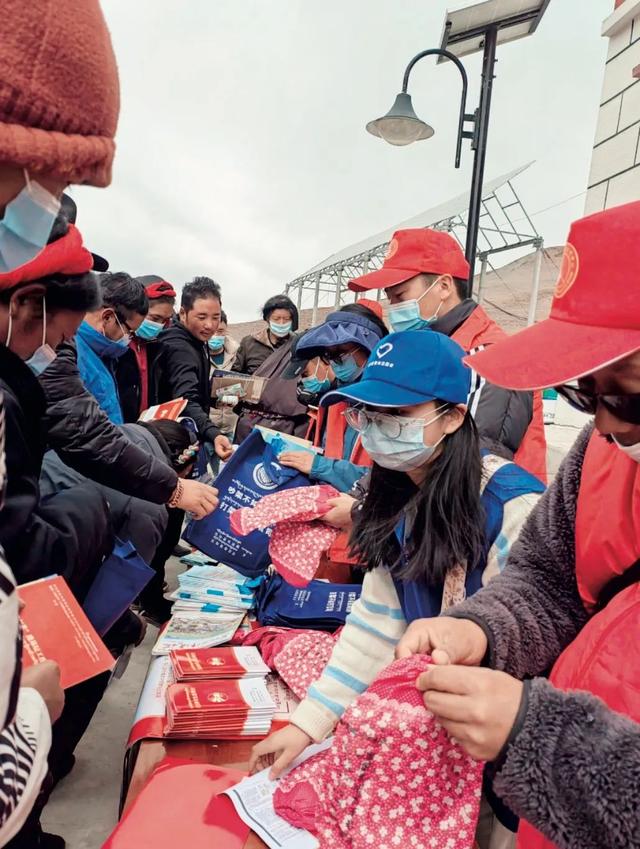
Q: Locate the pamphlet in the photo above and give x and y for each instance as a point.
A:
(170, 410)
(197, 630)
(253, 801)
(55, 627)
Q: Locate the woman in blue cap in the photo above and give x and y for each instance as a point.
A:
(344, 342)
(436, 524)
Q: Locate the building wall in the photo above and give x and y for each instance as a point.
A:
(615, 164)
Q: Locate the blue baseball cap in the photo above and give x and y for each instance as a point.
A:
(340, 328)
(410, 368)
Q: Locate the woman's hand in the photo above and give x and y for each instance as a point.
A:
(279, 750)
(199, 499)
(223, 447)
(446, 639)
(478, 707)
(301, 461)
(340, 514)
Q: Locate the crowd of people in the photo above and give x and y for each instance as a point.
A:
(424, 416)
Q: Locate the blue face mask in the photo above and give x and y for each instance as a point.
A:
(315, 386)
(26, 225)
(149, 330)
(406, 315)
(348, 370)
(43, 356)
(281, 330)
(216, 343)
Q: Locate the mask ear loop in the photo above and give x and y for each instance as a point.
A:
(8, 342)
(44, 320)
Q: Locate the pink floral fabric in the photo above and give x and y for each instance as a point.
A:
(302, 660)
(392, 778)
(298, 538)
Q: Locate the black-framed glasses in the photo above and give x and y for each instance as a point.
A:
(623, 407)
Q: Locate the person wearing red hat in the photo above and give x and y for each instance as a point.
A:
(133, 371)
(425, 276)
(566, 748)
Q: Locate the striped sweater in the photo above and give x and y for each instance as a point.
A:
(25, 729)
(376, 623)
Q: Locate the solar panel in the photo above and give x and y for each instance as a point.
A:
(465, 28)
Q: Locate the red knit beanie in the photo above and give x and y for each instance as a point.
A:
(59, 93)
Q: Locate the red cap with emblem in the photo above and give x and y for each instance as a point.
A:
(412, 252)
(595, 313)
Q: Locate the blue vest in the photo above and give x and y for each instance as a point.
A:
(96, 361)
(421, 601)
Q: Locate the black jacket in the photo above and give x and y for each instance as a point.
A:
(502, 416)
(68, 534)
(129, 381)
(86, 440)
(134, 521)
(254, 350)
(181, 370)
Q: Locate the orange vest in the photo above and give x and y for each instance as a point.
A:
(601, 658)
(335, 429)
(480, 329)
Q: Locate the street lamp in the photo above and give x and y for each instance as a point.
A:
(479, 27)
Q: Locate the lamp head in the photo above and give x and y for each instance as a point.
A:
(401, 125)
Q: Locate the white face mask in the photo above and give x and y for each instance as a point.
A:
(403, 453)
(632, 451)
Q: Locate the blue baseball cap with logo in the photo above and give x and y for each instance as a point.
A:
(410, 368)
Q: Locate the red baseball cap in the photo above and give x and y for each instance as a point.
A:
(412, 252)
(595, 313)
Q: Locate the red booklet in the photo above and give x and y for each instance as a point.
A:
(180, 806)
(220, 662)
(219, 710)
(55, 627)
(169, 410)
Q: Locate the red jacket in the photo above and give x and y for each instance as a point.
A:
(481, 330)
(603, 658)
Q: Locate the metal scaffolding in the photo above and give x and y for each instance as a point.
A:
(504, 225)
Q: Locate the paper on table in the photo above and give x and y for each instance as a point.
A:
(253, 801)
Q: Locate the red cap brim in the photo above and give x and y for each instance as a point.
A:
(382, 279)
(551, 353)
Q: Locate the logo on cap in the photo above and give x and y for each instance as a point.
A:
(384, 349)
(392, 250)
(568, 271)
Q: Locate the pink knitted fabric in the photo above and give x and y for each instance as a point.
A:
(302, 660)
(298, 540)
(392, 777)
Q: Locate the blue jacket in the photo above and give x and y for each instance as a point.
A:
(97, 357)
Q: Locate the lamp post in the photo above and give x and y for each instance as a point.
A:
(401, 126)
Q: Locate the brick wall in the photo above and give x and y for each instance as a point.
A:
(615, 164)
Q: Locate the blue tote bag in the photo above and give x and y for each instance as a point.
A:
(252, 472)
(122, 577)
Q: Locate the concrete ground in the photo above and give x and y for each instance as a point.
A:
(84, 808)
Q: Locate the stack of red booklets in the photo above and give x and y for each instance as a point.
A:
(219, 710)
(191, 665)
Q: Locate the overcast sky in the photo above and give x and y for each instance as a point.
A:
(242, 153)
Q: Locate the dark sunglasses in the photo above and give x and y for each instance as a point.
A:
(623, 407)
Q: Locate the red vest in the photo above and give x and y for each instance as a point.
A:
(478, 330)
(603, 657)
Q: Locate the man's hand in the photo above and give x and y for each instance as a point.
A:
(279, 750)
(301, 461)
(45, 678)
(199, 499)
(340, 514)
(478, 707)
(223, 447)
(447, 640)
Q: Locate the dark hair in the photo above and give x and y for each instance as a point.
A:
(162, 299)
(223, 317)
(199, 287)
(123, 293)
(77, 293)
(281, 302)
(365, 312)
(175, 441)
(449, 518)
